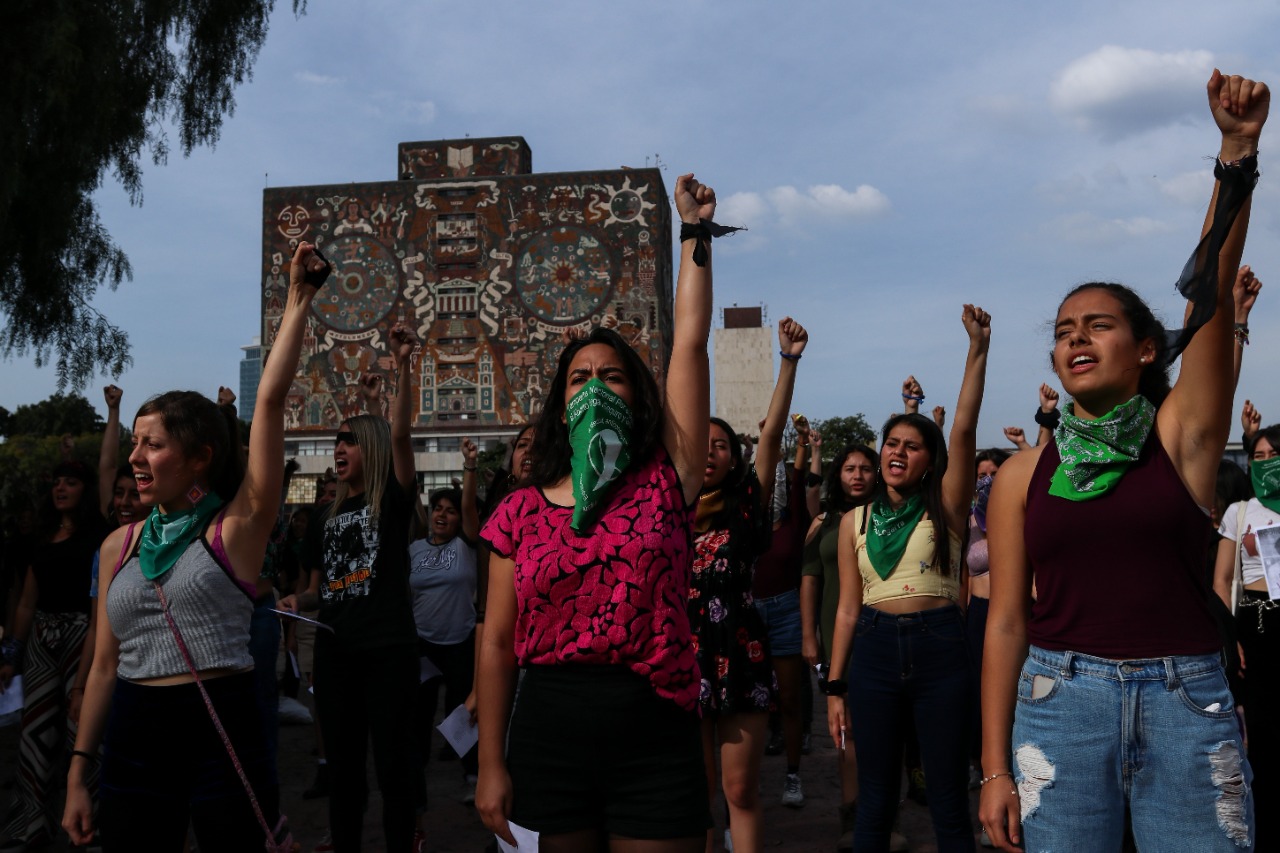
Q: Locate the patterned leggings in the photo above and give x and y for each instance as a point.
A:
(49, 670)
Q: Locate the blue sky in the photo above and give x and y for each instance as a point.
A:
(891, 160)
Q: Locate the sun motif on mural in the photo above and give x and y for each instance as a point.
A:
(364, 286)
(627, 204)
(565, 275)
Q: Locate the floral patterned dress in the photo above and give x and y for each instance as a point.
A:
(730, 640)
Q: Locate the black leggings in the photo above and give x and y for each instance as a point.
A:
(164, 767)
(457, 664)
(363, 694)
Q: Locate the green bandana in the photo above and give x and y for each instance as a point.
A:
(600, 437)
(1095, 454)
(890, 531)
(1265, 474)
(165, 537)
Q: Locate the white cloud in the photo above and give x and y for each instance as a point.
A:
(826, 201)
(314, 79)
(1117, 91)
(1089, 229)
(742, 208)
(1189, 187)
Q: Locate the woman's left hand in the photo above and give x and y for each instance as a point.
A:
(470, 703)
(836, 723)
(977, 323)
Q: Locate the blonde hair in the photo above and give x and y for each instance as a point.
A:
(373, 437)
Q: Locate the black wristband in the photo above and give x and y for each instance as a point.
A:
(1048, 420)
(702, 231)
(811, 480)
(834, 686)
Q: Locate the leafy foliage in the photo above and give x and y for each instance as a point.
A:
(839, 432)
(87, 87)
(56, 415)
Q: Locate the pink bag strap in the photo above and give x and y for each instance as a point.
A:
(222, 732)
(124, 549)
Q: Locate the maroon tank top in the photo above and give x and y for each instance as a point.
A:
(1120, 576)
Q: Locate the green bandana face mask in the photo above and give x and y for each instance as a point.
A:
(1095, 454)
(890, 530)
(600, 435)
(1265, 474)
(165, 537)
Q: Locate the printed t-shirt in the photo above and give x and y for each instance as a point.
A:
(614, 594)
(1256, 517)
(443, 581)
(364, 565)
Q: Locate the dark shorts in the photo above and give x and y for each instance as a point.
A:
(593, 747)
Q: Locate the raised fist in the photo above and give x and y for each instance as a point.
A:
(792, 337)
(1245, 290)
(694, 201)
(1240, 107)
(1048, 399)
(977, 323)
(112, 394)
(226, 397)
(403, 343)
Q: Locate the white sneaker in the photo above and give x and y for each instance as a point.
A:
(792, 792)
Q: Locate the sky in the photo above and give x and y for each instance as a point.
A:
(892, 162)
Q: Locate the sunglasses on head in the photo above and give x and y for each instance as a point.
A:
(345, 438)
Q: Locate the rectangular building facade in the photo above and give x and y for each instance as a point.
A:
(491, 264)
(743, 359)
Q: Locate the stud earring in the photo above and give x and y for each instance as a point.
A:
(195, 494)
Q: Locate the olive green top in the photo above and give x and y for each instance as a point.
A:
(822, 561)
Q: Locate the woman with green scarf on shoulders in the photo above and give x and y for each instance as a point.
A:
(899, 625)
(1106, 695)
(190, 567)
(1257, 620)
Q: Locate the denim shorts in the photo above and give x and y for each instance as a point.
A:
(781, 615)
(1092, 734)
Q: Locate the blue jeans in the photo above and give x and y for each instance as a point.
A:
(781, 616)
(1092, 734)
(914, 666)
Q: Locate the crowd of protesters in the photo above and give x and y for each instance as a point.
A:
(1081, 629)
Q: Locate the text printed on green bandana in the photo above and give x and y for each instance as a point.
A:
(600, 426)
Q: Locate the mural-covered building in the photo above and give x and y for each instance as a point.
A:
(490, 263)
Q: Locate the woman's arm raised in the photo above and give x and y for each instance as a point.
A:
(957, 484)
(687, 402)
(403, 343)
(252, 513)
(109, 452)
(792, 339)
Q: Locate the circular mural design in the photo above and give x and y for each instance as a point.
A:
(564, 275)
(363, 287)
(626, 205)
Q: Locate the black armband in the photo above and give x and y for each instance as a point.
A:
(834, 686)
(701, 232)
(812, 480)
(1048, 420)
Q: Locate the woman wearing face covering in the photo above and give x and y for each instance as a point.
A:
(587, 585)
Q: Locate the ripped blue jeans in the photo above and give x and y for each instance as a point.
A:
(1092, 734)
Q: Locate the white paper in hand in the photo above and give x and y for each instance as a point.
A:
(526, 840)
(457, 729)
(1268, 539)
(427, 670)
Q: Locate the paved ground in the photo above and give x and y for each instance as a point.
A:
(454, 828)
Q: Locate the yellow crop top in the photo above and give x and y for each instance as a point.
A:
(916, 574)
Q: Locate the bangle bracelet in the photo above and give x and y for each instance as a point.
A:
(88, 756)
(788, 356)
(994, 776)
(919, 399)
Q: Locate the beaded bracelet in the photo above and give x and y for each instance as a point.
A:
(994, 776)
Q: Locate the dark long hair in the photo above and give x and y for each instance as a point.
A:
(838, 503)
(1270, 433)
(930, 486)
(551, 451)
(1153, 383)
(85, 516)
(504, 481)
(194, 421)
(991, 454)
(734, 486)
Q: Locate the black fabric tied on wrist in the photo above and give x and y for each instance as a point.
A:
(1199, 279)
(1048, 420)
(702, 231)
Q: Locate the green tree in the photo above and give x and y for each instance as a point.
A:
(56, 415)
(839, 432)
(87, 87)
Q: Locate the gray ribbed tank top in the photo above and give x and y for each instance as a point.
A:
(211, 610)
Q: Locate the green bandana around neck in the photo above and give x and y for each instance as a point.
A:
(890, 530)
(1265, 474)
(600, 426)
(1095, 454)
(166, 536)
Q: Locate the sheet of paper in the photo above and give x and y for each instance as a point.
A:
(302, 618)
(293, 665)
(11, 698)
(526, 839)
(458, 730)
(1268, 539)
(427, 670)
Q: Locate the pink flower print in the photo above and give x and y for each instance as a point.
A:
(754, 651)
(715, 610)
(722, 666)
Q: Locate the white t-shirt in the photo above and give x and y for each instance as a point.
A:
(442, 579)
(1256, 517)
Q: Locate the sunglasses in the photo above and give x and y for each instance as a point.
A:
(345, 438)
